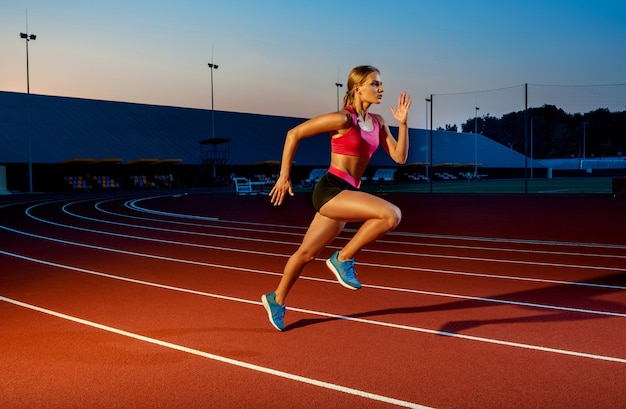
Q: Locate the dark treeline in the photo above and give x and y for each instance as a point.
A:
(555, 133)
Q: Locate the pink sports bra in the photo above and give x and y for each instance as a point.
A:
(357, 142)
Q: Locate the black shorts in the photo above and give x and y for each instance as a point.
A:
(328, 187)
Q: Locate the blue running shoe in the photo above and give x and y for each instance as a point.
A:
(344, 271)
(275, 311)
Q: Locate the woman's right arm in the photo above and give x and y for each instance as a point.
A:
(321, 124)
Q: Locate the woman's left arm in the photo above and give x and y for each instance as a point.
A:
(398, 149)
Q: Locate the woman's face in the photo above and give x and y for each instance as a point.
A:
(372, 89)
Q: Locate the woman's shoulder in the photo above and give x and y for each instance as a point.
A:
(349, 116)
(379, 118)
(332, 122)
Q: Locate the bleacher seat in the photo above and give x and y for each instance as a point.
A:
(105, 182)
(316, 175)
(243, 186)
(165, 181)
(76, 182)
(384, 174)
(142, 181)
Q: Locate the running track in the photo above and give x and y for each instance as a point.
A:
(152, 299)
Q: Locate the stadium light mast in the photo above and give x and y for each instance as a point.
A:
(28, 38)
(212, 67)
(338, 85)
(429, 153)
(427, 101)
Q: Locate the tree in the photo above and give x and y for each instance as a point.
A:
(555, 133)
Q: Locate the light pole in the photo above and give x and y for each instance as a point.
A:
(28, 37)
(476, 142)
(532, 147)
(212, 67)
(429, 153)
(427, 101)
(584, 138)
(338, 85)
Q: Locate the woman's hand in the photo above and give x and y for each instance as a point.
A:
(280, 189)
(402, 113)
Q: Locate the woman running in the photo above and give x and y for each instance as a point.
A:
(355, 135)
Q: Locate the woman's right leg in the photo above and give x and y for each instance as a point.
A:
(322, 231)
(379, 217)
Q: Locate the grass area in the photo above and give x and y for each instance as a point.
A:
(592, 185)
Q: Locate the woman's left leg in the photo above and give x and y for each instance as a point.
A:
(321, 232)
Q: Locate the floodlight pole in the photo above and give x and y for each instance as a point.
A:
(212, 67)
(532, 147)
(28, 38)
(338, 85)
(430, 145)
(428, 158)
(526, 138)
(427, 101)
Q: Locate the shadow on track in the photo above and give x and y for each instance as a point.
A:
(586, 296)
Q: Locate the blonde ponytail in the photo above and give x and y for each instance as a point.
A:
(348, 98)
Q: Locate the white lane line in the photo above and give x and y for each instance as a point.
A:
(221, 223)
(329, 315)
(496, 276)
(504, 249)
(256, 271)
(426, 235)
(541, 243)
(510, 241)
(221, 266)
(225, 226)
(497, 301)
(303, 228)
(505, 261)
(219, 358)
(170, 214)
(469, 337)
(132, 205)
(437, 271)
(28, 212)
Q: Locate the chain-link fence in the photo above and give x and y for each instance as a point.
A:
(527, 135)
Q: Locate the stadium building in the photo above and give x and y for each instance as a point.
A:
(80, 143)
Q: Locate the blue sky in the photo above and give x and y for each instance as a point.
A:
(284, 57)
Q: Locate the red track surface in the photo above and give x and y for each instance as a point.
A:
(153, 300)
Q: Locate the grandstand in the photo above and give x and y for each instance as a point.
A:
(64, 129)
(589, 165)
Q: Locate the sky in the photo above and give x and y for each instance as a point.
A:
(283, 57)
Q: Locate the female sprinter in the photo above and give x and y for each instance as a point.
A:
(355, 135)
